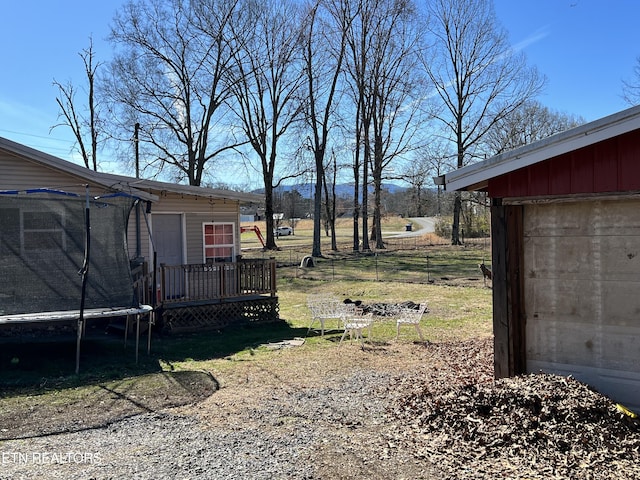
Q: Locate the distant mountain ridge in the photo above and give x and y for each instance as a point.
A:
(342, 189)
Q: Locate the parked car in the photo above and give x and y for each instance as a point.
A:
(283, 231)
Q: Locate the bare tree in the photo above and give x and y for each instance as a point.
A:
(393, 82)
(477, 76)
(381, 73)
(527, 124)
(170, 77)
(82, 125)
(358, 73)
(266, 84)
(436, 155)
(631, 88)
(325, 32)
(416, 174)
(330, 198)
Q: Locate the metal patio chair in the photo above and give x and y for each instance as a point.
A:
(324, 307)
(410, 316)
(354, 322)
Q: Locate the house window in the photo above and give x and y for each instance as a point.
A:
(42, 231)
(218, 242)
(31, 231)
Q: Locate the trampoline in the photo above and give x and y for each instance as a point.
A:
(64, 258)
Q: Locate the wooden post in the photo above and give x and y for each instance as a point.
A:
(272, 266)
(508, 299)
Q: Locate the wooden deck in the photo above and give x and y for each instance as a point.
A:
(210, 296)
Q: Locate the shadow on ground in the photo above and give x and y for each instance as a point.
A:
(40, 394)
(78, 409)
(32, 364)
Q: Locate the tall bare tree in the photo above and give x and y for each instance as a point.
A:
(382, 45)
(393, 83)
(84, 122)
(325, 30)
(266, 84)
(358, 73)
(478, 77)
(169, 75)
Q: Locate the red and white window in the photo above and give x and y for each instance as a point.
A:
(218, 241)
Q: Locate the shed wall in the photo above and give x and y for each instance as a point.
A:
(582, 293)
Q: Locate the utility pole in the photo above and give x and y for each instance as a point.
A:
(137, 157)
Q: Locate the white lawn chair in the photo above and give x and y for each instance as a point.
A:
(354, 322)
(410, 316)
(324, 307)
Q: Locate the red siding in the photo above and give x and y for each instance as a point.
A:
(629, 164)
(539, 177)
(609, 166)
(605, 170)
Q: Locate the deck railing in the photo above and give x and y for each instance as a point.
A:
(143, 288)
(216, 281)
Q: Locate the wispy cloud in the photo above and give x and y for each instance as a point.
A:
(16, 114)
(535, 37)
(31, 126)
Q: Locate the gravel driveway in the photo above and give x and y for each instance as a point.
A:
(322, 413)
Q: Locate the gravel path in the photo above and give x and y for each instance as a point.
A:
(393, 411)
(310, 433)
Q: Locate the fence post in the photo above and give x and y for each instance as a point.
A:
(428, 272)
(272, 268)
(376, 257)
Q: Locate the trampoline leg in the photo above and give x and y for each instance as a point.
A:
(151, 322)
(78, 339)
(126, 330)
(137, 335)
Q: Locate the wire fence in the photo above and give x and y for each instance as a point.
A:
(406, 259)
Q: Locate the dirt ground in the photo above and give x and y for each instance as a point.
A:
(407, 410)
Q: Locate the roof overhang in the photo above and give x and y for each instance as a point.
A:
(84, 175)
(477, 176)
(159, 188)
(145, 189)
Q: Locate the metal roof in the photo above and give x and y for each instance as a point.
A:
(477, 175)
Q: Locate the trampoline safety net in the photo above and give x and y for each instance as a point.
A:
(42, 252)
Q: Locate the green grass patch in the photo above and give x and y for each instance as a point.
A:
(446, 277)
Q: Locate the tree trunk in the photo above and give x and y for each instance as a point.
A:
(455, 227)
(377, 211)
(268, 213)
(316, 251)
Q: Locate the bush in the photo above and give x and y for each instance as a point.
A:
(476, 226)
(443, 226)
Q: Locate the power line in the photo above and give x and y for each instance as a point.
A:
(34, 136)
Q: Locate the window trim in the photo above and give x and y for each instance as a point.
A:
(23, 233)
(231, 245)
(26, 233)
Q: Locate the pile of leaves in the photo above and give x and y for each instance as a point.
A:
(534, 426)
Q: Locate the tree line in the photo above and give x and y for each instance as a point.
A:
(364, 90)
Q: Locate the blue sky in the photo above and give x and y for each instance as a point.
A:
(585, 48)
